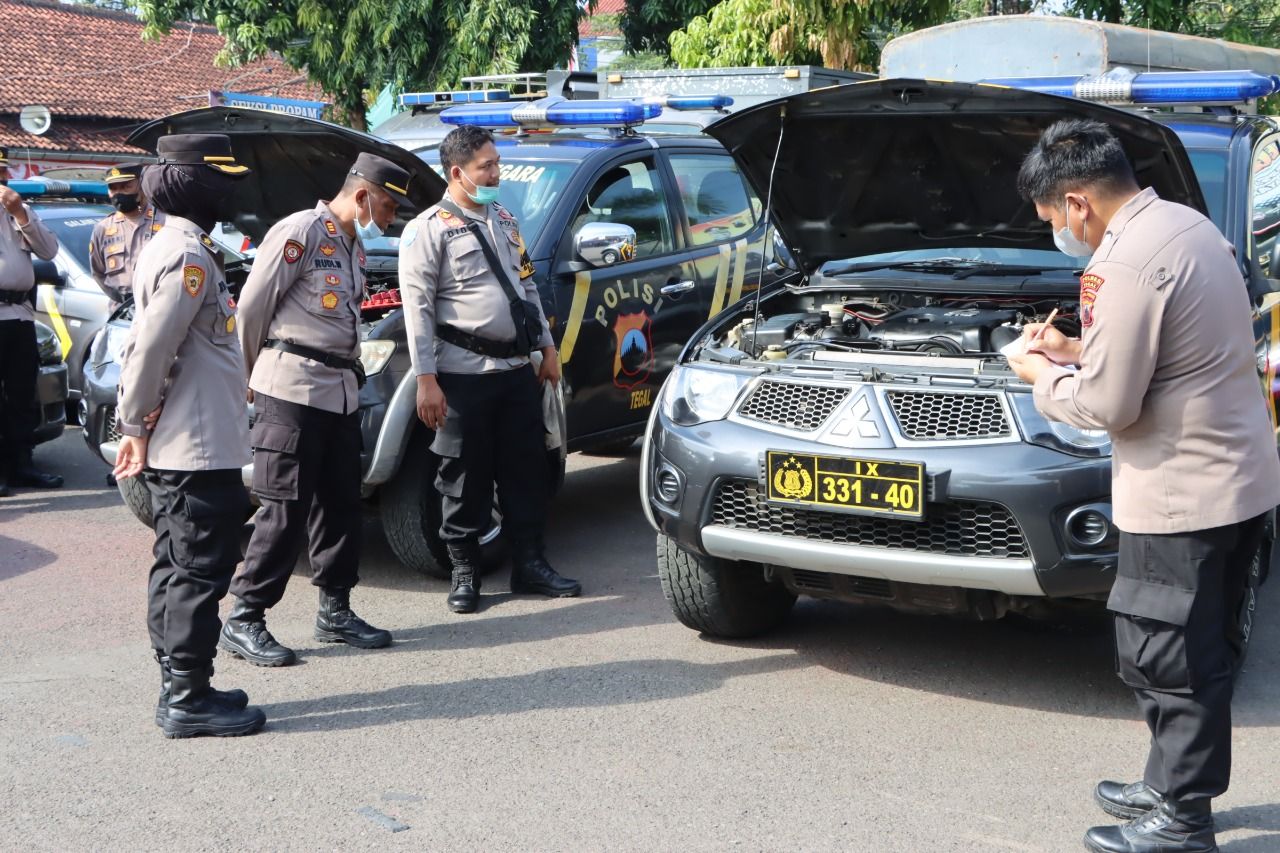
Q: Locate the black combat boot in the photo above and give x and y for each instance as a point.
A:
(464, 595)
(25, 473)
(530, 572)
(1126, 801)
(237, 699)
(1171, 827)
(335, 623)
(245, 635)
(194, 710)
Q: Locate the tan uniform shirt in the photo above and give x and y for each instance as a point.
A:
(306, 287)
(16, 247)
(445, 278)
(114, 247)
(182, 351)
(1167, 367)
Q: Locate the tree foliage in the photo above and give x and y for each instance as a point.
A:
(845, 34)
(1245, 21)
(647, 24)
(352, 48)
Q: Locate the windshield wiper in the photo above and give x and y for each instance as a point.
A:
(997, 269)
(929, 265)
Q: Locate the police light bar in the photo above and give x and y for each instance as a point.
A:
(469, 96)
(1120, 85)
(691, 102)
(553, 113)
(28, 187)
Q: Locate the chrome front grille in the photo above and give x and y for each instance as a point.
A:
(792, 404)
(958, 528)
(942, 416)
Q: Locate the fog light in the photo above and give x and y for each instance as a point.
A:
(667, 485)
(1089, 527)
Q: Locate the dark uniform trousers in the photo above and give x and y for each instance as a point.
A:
(198, 518)
(493, 433)
(306, 474)
(1178, 602)
(19, 367)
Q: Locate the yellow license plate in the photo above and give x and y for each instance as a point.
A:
(864, 486)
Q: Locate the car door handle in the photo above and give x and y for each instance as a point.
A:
(678, 287)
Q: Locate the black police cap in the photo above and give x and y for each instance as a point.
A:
(200, 149)
(122, 173)
(382, 173)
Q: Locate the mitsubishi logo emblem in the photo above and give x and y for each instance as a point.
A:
(858, 417)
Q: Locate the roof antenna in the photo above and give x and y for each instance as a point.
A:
(1148, 42)
(768, 222)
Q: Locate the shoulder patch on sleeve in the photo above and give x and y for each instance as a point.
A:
(292, 251)
(444, 214)
(1090, 284)
(193, 279)
(409, 235)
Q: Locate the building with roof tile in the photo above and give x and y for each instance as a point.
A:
(72, 60)
(600, 36)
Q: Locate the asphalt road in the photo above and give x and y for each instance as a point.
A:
(591, 724)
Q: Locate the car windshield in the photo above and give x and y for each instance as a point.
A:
(73, 232)
(530, 189)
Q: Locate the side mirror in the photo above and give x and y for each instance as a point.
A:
(603, 244)
(47, 273)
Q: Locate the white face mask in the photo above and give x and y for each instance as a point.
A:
(1067, 242)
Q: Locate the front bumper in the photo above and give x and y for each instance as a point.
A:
(995, 518)
(51, 396)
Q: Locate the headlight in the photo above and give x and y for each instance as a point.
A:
(374, 355)
(48, 346)
(1037, 429)
(696, 395)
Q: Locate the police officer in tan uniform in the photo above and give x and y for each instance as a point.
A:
(301, 339)
(182, 416)
(1167, 367)
(473, 316)
(21, 235)
(117, 239)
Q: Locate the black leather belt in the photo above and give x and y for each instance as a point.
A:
(327, 359)
(15, 297)
(482, 346)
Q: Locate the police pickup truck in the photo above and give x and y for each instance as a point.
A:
(637, 239)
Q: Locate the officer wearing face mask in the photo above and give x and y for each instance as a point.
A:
(117, 239)
(473, 316)
(1167, 367)
(300, 332)
(182, 416)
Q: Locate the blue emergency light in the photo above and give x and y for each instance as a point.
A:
(1152, 87)
(469, 96)
(29, 187)
(691, 102)
(552, 113)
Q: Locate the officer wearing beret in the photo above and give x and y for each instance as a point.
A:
(21, 235)
(300, 333)
(182, 416)
(474, 316)
(117, 239)
(1167, 367)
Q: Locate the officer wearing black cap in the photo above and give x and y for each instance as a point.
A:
(182, 415)
(300, 332)
(21, 235)
(117, 239)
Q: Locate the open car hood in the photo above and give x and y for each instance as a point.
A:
(890, 165)
(295, 161)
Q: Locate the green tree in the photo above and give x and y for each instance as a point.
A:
(845, 34)
(1245, 21)
(647, 24)
(352, 48)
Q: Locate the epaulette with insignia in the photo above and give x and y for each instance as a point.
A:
(444, 214)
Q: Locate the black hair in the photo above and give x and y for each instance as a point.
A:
(1071, 154)
(461, 145)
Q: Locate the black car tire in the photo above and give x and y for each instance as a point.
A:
(410, 509)
(137, 498)
(719, 597)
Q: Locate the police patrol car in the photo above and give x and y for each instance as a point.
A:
(635, 240)
(855, 434)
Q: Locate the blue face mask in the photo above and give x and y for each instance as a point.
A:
(370, 232)
(482, 195)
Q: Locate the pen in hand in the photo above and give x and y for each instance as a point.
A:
(1040, 334)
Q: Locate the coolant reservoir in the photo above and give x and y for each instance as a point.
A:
(774, 352)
